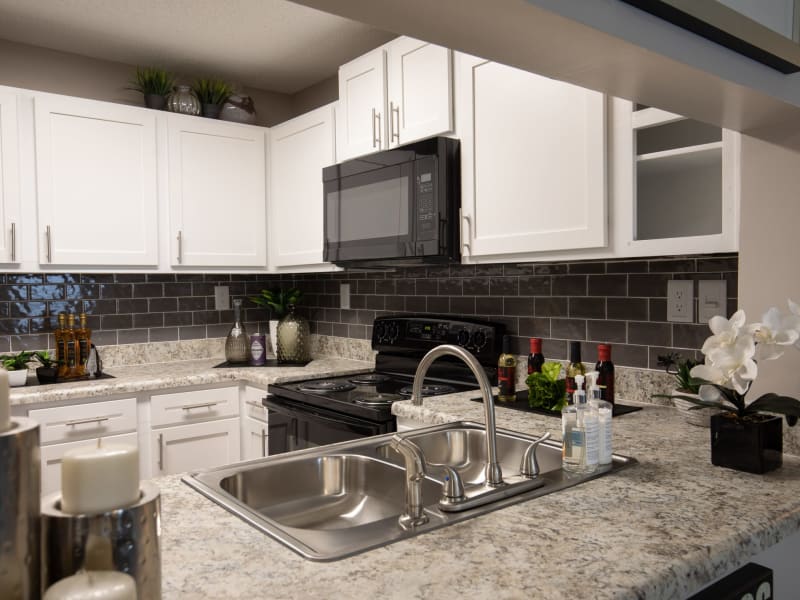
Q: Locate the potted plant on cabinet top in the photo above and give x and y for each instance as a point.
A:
(680, 368)
(17, 367)
(212, 94)
(48, 372)
(155, 84)
(278, 301)
(743, 437)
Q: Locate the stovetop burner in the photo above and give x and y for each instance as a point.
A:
(428, 390)
(376, 399)
(369, 379)
(326, 386)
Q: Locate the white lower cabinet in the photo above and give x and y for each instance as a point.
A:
(196, 446)
(53, 454)
(254, 440)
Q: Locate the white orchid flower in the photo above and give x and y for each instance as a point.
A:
(774, 331)
(730, 365)
(725, 331)
(793, 320)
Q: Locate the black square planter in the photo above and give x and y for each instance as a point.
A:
(753, 444)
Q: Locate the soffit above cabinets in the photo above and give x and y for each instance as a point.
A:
(271, 45)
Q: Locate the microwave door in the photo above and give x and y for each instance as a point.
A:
(368, 216)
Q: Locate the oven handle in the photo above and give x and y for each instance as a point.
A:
(303, 414)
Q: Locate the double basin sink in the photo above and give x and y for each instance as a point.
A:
(334, 501)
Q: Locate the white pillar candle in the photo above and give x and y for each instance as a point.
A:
(5, 402)
(99, 478)
(93, 585)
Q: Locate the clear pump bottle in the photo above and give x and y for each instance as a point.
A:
(579, 429)
(605, 413)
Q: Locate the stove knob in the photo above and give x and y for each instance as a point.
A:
(380, 331)
(479, 340)
(463, 337)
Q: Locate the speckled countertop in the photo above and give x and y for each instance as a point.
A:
(160, 376)
(661, 529)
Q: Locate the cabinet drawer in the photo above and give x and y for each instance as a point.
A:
(82, 421)
(253, 407)
(193, 407)
(54, 454)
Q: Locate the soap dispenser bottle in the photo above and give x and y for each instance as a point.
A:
(605, 413)
(588, 423)
(573, 434)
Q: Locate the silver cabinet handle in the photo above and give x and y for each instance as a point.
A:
(85, 421)
(254, 404)
(465, 238)
(13, 242)
(374, 137)
(160, 451)
(394, 134)
(49, 244)
(180, 246)
(203, 405)
(263, 442)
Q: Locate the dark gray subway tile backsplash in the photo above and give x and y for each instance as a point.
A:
(619, 301)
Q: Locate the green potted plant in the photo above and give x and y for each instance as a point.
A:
(743, 437)
(546, 390)
(48, 372)
(155, 84)
(277, 300)
(680, 368)
(17, 367)
(212, 94)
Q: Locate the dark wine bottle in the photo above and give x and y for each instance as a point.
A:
(605, 372)
(535, 358)
(507, 373)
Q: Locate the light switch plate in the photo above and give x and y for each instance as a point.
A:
(222, 297)
(680, 300)
(712, 299)
(344, 295)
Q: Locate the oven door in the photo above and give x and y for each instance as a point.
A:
(370, 215)
(295, 426)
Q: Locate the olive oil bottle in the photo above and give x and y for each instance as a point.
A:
(507, 373)
(574, 368)
(83, 339)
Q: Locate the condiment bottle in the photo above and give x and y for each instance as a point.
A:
(507, 373)
(258, 348)
(605, 372)
(574, 368)
(535, 358)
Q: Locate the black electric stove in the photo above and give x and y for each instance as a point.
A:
(310, 413)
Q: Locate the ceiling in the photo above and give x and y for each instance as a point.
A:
(272, 45)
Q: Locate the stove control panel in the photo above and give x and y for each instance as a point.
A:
(423, 332)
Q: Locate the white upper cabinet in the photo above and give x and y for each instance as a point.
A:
(678, 183)
(96, 183)
(533, 156)
(362, 106)
(298, 151)
(417, 104)
(9, 179)
(420, 85)
(217, 192)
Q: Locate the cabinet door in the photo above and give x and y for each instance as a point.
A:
(217, 189)
(533, 155)
(362, 106)
(53, 455)
(254, 442)
(96, 180)
(196, 446)
(299, 149)
(9, 179)
(420, 90)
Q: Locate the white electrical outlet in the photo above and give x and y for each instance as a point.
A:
(344, 295)
(222, 297)
(680, 300)
(712, 299)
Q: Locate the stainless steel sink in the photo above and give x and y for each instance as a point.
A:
(334, 501)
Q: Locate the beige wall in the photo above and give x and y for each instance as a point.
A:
(769, 255)
(35, 68)
(317, 95)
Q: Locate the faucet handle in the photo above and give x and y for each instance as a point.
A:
(529, 466)
(453, 487)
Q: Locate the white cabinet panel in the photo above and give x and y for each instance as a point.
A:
(85, 421)
(362, 102)
(533, 162)
(9, 179)
(254, 442)
(96, 180)
(420, 90)
(299, 149)
(253, 406)
(53, 455)
(196, 446)
(188, 407)
(217, 190)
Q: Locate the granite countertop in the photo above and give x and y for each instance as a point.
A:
(160, 376)
(661, 529)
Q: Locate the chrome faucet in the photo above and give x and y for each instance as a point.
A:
(494, 474)
(414, 514)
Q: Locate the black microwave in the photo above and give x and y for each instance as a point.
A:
(395, 207)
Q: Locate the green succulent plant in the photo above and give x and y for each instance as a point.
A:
(681, 368)
(153, 80)
(16, 362)
(44, 357)
(278, 300)
(211, 91)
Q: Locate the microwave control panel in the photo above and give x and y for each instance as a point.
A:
(427, 216)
